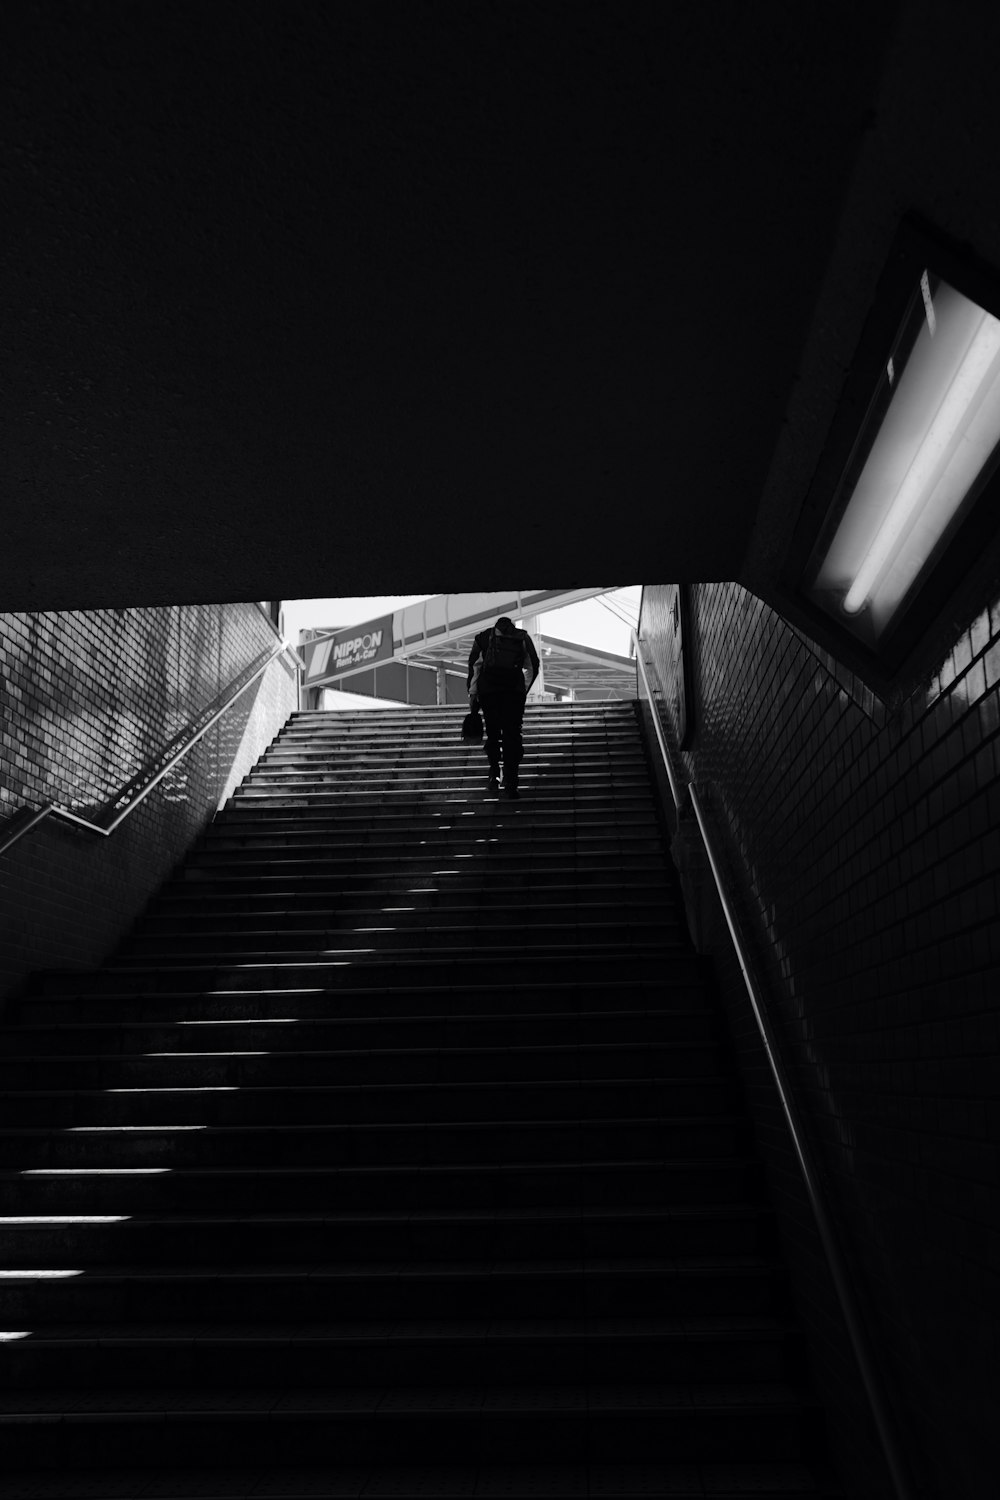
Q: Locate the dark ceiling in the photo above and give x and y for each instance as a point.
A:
(318, 299)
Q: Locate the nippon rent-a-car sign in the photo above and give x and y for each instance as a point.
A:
(360, 646)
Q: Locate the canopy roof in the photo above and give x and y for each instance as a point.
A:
(438, 633)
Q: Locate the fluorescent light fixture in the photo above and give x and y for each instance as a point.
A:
(925, 483)
(929, 443)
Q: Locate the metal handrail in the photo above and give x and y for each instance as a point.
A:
(881, 1414)
(675, 790)
(53, 810)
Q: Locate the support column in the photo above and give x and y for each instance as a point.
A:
(530, 624)
(442, 686)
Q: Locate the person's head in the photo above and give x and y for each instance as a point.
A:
(505, 625)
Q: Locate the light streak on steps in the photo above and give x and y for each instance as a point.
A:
(64, 1219)
(257, 1021)
(38, 1275)
(92, 1171)
(93, 1129)
(199, 1088)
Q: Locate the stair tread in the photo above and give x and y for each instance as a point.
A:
(104, 1030)
(541, 915)
(653, 1329)
(620, 1481)
(169, 1402)
(582, 1214)
(478, 1169)
(401, 1271)
(458, 789)
(651, 931)
(176, 892)
(218, 996)
(482, 952)
(389, 1053)
(483, 987)
(347, 1128)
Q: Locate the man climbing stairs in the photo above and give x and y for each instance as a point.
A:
(399, 1151)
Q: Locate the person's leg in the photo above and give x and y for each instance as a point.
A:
(513, 745)
(492, 741)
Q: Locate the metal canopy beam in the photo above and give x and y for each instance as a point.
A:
(337, 655)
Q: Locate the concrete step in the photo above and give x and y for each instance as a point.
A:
(543, 759)
(613, 1481)
(678, 1067)
(260, 818)
(465, 969)
(445, 1139)
(396, 933)
(413, 1188)
(179, 901)
(387, 780)
(457, 792)
(529, 841)
(447, 1352)
(309, 1295)
(62, 997)
(540, 1033)
(478, 880)
(547, 1425)
(421, 866)
(486, 911)
(92, 1240)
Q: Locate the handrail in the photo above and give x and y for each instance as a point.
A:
(53, 810)
(881, 1414)
(675, 790)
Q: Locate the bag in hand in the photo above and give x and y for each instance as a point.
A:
(472, 726)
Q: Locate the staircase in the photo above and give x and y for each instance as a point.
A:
(398, 1152)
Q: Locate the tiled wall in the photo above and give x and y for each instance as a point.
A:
(864, 851)
(87, 701)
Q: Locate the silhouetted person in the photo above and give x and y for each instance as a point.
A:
(498, 662)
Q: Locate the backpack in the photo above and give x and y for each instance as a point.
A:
(503, 660)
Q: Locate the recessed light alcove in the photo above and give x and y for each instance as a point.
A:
(897, 541)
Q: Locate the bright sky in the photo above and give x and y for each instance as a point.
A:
(590, 623)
